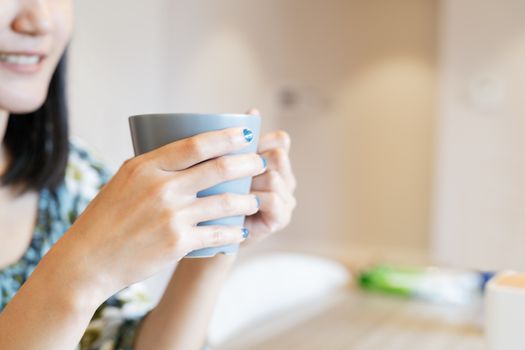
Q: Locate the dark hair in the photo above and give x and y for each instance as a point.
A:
(37, 143)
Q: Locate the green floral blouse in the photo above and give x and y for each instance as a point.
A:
(115, 322)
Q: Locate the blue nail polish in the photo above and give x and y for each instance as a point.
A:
(245, 232)
(258, 202)
(248, 135)
(264, 162)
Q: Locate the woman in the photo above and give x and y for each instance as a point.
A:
(142, 220)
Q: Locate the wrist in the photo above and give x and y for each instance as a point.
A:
(182, 316)
(203, 272)
(63, 296)
(216, 265)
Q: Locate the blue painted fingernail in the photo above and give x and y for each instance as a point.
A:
(264, 162)
(258, 202)
(248, 135)
(245, 233)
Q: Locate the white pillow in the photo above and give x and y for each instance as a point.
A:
(268, 284)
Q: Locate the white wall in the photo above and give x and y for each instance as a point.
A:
(117, 58)
(480, 188)
(363, 73)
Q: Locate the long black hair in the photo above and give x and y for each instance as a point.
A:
(37, 143)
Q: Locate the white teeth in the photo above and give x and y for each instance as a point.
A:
(19, 59)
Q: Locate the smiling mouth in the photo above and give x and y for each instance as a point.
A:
(22, 62)
(20, 59)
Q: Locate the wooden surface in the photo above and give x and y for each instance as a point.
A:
(351, 320)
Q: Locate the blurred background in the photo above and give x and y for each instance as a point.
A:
(406, 117)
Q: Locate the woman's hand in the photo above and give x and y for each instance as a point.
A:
(274, 188)
(146, 216)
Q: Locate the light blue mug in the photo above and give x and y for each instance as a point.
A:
(151, 131)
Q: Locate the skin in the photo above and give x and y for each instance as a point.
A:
(142, 221)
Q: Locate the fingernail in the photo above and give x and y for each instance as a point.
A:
(258, 202)
(248, 135)
(264, 162)
(245, 233)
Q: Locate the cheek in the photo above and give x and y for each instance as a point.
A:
(64, 20)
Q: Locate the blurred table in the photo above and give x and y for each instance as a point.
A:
(352, 320)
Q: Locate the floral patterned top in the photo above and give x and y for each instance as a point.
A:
(115, 322)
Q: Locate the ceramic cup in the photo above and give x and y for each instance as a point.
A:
(505, 312)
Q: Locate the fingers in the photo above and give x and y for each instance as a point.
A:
(187, 152)
(221, 206)
(279, 161)
(269, 181)
(274, 139)
(214, 236)
(219, 170)
(272, 181)
(275, 209)
(253, 111)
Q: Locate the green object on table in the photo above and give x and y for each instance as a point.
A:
(428, 283)
(392, 280)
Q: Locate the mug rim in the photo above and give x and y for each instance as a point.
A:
(228, 115)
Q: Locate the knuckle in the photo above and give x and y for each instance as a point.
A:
(127, 163)
(274, 200)
(177, 220)
(227, 202)
(273, 179)
(216, 237)
(202, 242)
(161, 190)
(280, 153)
(195, 147)
(176, 182)
(284, 138)
(222, 166)
(274, 225)
(280, 156)
(231, 138)
(135, 167)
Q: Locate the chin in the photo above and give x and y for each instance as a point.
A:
(22, 104)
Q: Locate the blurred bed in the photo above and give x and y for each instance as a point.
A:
(283, 301)
(274, 292)
(294, 301)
